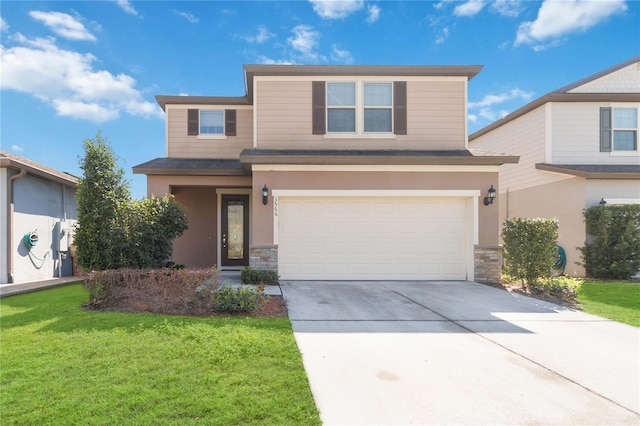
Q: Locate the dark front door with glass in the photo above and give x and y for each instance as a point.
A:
(235, 230)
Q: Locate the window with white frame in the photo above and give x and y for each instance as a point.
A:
(211, 122)
(378, 104)
(625, 129)
(364, 107)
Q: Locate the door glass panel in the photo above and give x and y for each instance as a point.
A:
(235, 230)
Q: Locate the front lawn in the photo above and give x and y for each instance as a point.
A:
(616, 300)
(60, 364)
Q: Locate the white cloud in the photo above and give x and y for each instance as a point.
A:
(263, 35)
(558, 18)
(17, 148)
(485, 107)
(69, 81)
(443, 36)
(188, 16)
(470, 8)
(305, 41)
(127, 7)
(491, 99)
(341, 55)
(510, 8)
(3, 25)
(336, 9)
(64, 25)
(268, 61)
(373, 14)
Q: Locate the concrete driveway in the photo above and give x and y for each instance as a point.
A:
(460, 353)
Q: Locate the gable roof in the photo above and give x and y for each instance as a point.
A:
(564, 94)
(251, 71)
(12, 161)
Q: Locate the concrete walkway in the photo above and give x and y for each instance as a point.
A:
(19, 288)
(460, 353)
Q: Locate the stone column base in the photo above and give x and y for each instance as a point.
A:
(488, 263)
(264, 257)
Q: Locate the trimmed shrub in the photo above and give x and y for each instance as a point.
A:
(562, 287)
(165, 291)
(240, 299)
(529, 248)
(250, 275)
(612, 249)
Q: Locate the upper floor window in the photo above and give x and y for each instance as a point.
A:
(359, 108)
(211, 123)
(625, 129)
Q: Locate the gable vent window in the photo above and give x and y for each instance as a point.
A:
(211, 123)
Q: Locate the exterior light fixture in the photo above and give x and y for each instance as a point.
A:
(491, 195)
(265, 195)
(603, 202)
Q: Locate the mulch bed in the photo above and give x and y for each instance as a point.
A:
(517, 288)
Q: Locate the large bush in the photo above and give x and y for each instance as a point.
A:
(613, 246)
(114, 231)
(529, 248)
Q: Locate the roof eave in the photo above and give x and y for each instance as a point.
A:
(587, 174)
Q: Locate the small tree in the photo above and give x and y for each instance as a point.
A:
(114, 231)
(101, 194)
(614, 249)
(529, 247)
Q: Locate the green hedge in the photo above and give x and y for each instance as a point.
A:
(529, 248)
(250, 275)
(612, 249)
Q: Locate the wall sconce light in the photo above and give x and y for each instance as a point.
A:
(265, 195)
(491, 195)
(602, 202)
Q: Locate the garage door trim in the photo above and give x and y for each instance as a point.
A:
(472, 197)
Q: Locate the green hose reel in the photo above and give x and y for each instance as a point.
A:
(30, 239)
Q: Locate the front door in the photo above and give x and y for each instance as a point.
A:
(235, 230)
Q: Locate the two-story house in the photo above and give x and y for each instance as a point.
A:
(334, 173)
(578, 147)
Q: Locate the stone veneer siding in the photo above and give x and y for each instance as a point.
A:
(488, 263)
(264, 257)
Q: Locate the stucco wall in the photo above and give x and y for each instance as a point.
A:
(564, 200)
(263, 215)
(40, 206)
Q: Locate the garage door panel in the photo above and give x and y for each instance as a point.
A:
(373, 238)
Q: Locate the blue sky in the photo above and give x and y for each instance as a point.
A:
(69, 69)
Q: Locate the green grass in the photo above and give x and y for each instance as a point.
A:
(616, 300)
(62, 365)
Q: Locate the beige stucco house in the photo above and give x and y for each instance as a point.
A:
(578, 146)
(332, 173)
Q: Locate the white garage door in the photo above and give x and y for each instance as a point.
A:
(373, 238)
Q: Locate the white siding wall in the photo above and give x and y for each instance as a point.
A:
(575, 134)
(526, 137)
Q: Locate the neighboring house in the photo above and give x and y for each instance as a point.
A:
(37, 216)
(331, 173)
(578, 146)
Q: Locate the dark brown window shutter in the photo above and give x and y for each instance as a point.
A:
(230, 122)
(605, 129)
(319, 111)
(400, 107)
(193, 122)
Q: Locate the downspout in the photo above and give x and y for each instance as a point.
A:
(13, 178)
